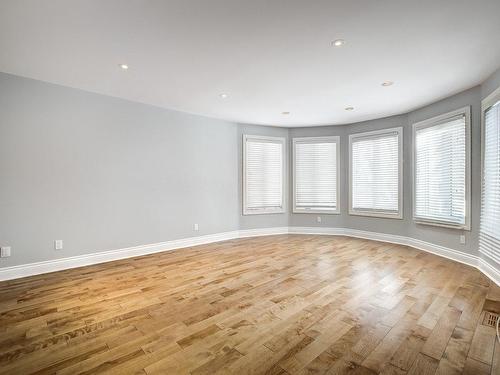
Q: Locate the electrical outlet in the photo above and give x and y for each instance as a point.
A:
(5, 252)
(195, 227)
(462, 239)
(318, 219)
(58, 244)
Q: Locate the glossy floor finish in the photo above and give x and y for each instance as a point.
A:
(290, 304)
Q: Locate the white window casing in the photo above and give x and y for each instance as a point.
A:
(441, 170)
(489, 232)
(316, 175)
(263, 174)
(376, 173)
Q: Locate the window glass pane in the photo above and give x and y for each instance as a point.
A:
(263, 174)
(375, 173)
(489, 235)
(316, 174)
(440, 171)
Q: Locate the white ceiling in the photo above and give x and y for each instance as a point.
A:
(270, 56)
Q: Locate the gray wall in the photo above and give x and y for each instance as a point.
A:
(491, 84)
(445, 236)
(404, 227)
(103, 173)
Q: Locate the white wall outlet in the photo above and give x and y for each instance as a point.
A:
(195, 227)
(318, 219)
(58, 244)
(5, 251)
(462, 238)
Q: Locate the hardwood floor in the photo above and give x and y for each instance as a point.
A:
(290, 304)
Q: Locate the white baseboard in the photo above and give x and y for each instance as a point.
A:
(15, 272)
(490, 271)
(262, 232)
(442, 251)
(445, 252)
(318, 230)
(455, 255)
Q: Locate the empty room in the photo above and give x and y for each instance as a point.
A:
(250, 187)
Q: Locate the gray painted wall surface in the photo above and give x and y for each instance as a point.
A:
(491, 84)
(444, 236)
(103, 173)
(406, 226)
(403, 227)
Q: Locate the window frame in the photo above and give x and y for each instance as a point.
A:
(377, 134)
(322, 139)
(434, 121)
(486, 103)
(263, 211)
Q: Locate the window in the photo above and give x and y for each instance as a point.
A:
(489, 232)
(375, 185)
(315, 177)
(441, 170)
(263, 174)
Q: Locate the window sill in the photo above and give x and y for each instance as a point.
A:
(383, 215)
(441, 224)
(263, 212)
(313, 211)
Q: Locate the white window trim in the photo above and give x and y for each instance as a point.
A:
(432, 122)
(283, 186)
(331, 139)
(376, 133)
(486, 103)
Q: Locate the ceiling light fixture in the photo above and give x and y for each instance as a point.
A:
(338, 42)
(387, 83)
(223, 96)
(123, 66)
(349, 108)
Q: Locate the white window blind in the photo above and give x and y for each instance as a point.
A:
(376, 168)
(316, 174)
(441, 185)
(489, 234)
(263, 174)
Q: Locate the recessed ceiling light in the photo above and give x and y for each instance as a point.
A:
(285, 113)
(349, 108)
(338, 42)
(223, 95)
(123, 66)
(387, 83)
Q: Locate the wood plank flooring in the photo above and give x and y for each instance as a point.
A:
(289, 304)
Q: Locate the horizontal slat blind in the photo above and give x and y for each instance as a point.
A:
(375, 173)
(263, 174)
(316, 174)
(489, 234)
(440, 171)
